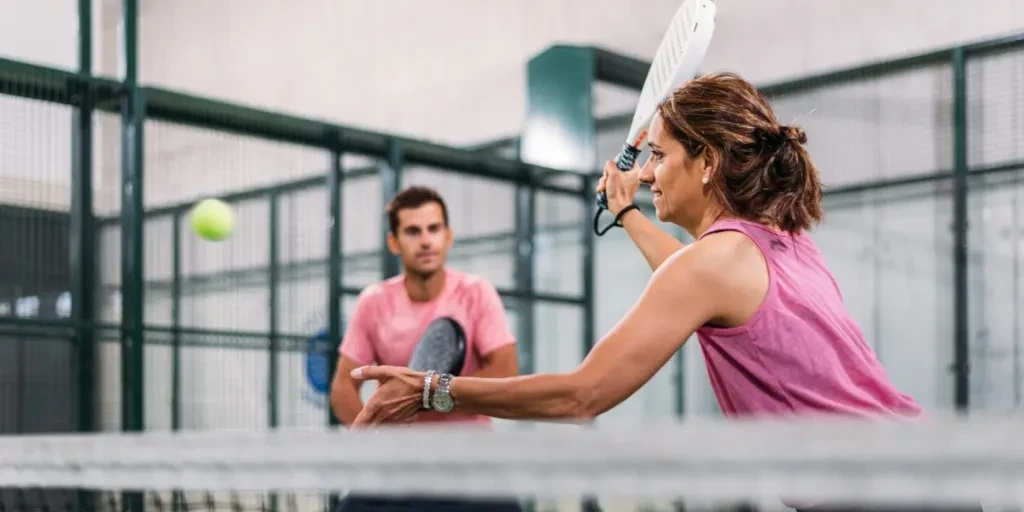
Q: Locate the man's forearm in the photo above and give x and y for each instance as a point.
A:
(346, 408)
(500, 362)
(655, 244)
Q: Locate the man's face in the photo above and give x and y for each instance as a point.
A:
(422, 239)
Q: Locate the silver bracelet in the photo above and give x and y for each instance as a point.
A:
(426, 388)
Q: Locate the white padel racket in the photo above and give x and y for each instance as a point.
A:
(681, 52)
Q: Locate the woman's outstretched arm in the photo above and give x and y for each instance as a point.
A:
(682, 295)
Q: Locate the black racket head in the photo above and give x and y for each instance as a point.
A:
(441, 348)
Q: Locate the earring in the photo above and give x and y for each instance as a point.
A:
(705, 180)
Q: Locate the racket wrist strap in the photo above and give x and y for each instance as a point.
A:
(615, 223)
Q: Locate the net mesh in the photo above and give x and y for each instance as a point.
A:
(947, 462)
(40, 500)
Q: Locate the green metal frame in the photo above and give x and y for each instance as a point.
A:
(961, 332)
(136, 103)
(390, 182)
(133, 122)
(133, 115)
(83, 232)
(83, 243)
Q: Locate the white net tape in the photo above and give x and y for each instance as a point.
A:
(934, 462)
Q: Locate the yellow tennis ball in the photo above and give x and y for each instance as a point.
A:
(213, 219)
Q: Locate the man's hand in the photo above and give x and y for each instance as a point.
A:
(619, 186)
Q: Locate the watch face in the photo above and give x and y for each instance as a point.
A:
(443, 403)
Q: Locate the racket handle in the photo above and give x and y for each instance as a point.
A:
(625, 161)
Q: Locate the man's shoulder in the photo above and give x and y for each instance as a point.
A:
(468, 282)
(381, 290)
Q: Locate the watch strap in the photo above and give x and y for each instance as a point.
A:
(444, 383)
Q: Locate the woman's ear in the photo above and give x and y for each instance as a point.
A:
(708, 162)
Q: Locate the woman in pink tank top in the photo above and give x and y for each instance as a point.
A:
(770, 319)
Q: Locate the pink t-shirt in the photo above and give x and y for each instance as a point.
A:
(801, 352)
(386, 326)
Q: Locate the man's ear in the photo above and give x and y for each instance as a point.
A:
(392, 243)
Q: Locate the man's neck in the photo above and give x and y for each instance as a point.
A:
(424, 288)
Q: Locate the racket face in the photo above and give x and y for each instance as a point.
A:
(676, 61)
(442, 348)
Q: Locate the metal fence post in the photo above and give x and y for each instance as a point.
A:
(133, 111)
(525, 226)
(335, 178)
(83, 232)
(961, 339)
(83, 243)
(133, 107)
(390, 184)
(273, 283)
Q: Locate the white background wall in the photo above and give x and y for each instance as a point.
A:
(452, 72)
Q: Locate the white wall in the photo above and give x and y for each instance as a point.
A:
(454, 73)
(35, 136)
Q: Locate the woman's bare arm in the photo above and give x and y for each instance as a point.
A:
(654, 243)
(681, 296)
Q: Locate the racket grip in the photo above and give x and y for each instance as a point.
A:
(627, 157)
(625, 161)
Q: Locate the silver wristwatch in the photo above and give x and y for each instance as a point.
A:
(442, 400)
(426, 388)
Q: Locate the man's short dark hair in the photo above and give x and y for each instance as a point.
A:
(413, 197)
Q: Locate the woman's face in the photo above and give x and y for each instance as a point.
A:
(676, 179)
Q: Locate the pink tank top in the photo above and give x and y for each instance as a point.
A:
(801, 352)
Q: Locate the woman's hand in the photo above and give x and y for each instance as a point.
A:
(620, 186)
(398, 399)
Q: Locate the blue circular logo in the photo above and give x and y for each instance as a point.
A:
(318, 352)
(318, 371)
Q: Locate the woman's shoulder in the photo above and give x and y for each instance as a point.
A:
(722, 249)
(714, 257)
(728, 265)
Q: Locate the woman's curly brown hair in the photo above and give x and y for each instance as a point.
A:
(761, 170)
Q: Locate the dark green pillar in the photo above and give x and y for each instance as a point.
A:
(560, 132)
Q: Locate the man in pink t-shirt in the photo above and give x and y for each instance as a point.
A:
(391, 316)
